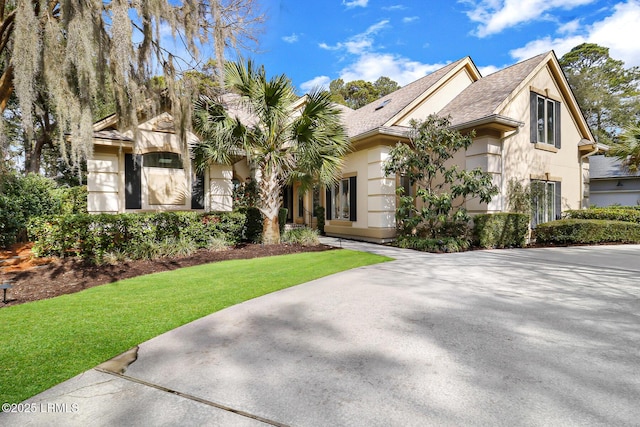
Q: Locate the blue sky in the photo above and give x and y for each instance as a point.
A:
(314, 42)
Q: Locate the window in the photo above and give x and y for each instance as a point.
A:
(545, 120)
(341, 200)
(162, 160)
(545, 202)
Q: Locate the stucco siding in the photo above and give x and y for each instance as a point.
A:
(103, 183)
(524, 160)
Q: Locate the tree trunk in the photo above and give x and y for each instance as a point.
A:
(6, 87)
(271, 231)
(269, 205)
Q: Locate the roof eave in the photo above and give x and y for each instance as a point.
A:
(382, 131)
(496, 121)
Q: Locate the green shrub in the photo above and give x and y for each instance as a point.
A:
(11, 220)
(445, 244)
(301, 236)
(137, 236)
(611, 213)
(282, 219)
(253, 228)
(501, 230)
(587, 231)
(71, 200)
(28, 196)
(319, 213)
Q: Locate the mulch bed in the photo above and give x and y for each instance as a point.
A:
(68, 275)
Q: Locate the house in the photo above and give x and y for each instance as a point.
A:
(528, 127)
(527, 123)
(611, 183)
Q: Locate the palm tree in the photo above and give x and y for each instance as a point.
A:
(284, 137)
(627, 148)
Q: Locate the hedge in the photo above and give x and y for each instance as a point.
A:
(587, 231)
(610, 213)
(501, 230)
(424, 244)
(93, 236)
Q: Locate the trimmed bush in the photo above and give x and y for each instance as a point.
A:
(587, 231)
(319, 213)
(136, 236)
(301, 236)
(501, 230)
(445, 244)
(610, 213)
(253, 228)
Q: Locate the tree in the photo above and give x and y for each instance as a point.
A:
(606, 91)
(436, 208)
(627, 148)
(259, 120)
(358, 93)
(57, 58)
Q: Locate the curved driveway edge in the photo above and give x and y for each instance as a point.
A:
(508, 337)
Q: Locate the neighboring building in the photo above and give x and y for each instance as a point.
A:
(528, 127)
(612, 183)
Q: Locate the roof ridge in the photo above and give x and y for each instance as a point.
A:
(417, 82)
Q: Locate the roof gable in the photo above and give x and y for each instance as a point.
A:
(487, 96)
(388, 110)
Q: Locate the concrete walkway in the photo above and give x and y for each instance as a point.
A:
(510, 337)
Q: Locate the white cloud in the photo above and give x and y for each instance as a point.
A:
(320, 81)
(291, 39)
(535, 47)
(355, 3)
(409, 19)
(489, 69)
(371, 66)
(495, 16)
(394, 7)
(619, 32)
(569, 27)
(359, 43)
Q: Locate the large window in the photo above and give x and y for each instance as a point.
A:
(341, 200)
(545, 201)
(162, 160)
(545, 120)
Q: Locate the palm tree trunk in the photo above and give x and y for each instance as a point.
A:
(269, 206)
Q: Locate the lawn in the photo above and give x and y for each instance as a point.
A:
(49, 341)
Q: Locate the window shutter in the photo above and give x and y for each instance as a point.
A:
(328, 203)
(558, 200)
(197, 192)
(558, 129)
(132, 181)
(533, 111)
(352, 199)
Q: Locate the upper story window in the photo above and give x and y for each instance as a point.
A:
(162, 160)
(545, 120)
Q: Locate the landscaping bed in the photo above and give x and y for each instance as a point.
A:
(61, 276)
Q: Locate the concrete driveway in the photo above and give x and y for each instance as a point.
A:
(509, 337)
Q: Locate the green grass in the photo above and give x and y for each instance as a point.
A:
(46, 342)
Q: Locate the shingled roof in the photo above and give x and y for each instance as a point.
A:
(478, 101)
(370, 116)
(483, 97)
